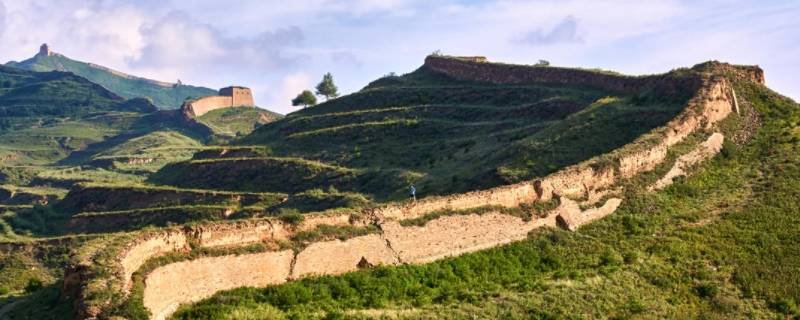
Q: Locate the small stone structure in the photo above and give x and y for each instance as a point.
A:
(44, 50)
(233, 96)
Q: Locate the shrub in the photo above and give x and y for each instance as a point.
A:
(784, 306)
(706, 290)
(290, 216)
(33, 285)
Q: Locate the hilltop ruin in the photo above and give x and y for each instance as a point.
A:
(233, 96)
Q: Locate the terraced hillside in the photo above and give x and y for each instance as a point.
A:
(163, 95)
(237, 121)
(443, 134)
(720, 244)
(58, 129)
(696, 165)
(61, 134)
(46, 115)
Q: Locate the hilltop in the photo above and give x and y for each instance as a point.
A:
(164, 95)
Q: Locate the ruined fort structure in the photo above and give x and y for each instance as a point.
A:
(44, 50)
(233, 96)
(168, 286)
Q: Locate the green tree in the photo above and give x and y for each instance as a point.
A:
(326, 87)
(542, 63)
(305, 99)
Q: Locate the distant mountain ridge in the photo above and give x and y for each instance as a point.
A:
(164, 95)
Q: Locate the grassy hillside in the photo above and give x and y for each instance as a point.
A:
(237, 121)
(444, 135)
(721, 244)
(163, 95)
(46, 115)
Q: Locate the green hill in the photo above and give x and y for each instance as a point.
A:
(46, 115)
(164, 95)
(237, 121)
(446, 135)
(721, 244)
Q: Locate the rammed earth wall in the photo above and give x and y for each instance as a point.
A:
(170, 285)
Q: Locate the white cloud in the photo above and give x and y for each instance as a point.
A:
(198, 49)
(2, 18)
(273, 45)
(565, 31)
(291, 85)
(106, 35)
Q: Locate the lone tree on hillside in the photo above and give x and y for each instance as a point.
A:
(305, 99)
(542, 63)
(326, 87)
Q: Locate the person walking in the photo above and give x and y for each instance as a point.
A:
(413, 192)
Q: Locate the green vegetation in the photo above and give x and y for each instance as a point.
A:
(305, 99)
(327, 88)
(236, 121)
(448, 136)
(720, 244)
(163, 95)
(149, 152)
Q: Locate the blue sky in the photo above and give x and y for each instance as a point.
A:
(279, 48)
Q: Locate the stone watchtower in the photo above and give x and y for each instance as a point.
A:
(240, 96)
(44, 50)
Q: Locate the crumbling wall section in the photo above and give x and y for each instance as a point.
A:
(705, 150)
(200, 278)
(457, 234)
(152, 245)
(340, 256)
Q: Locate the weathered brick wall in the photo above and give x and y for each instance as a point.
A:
(188, 281)
(202, 106)
(152, 245)
(228, 97)
(337, 256)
